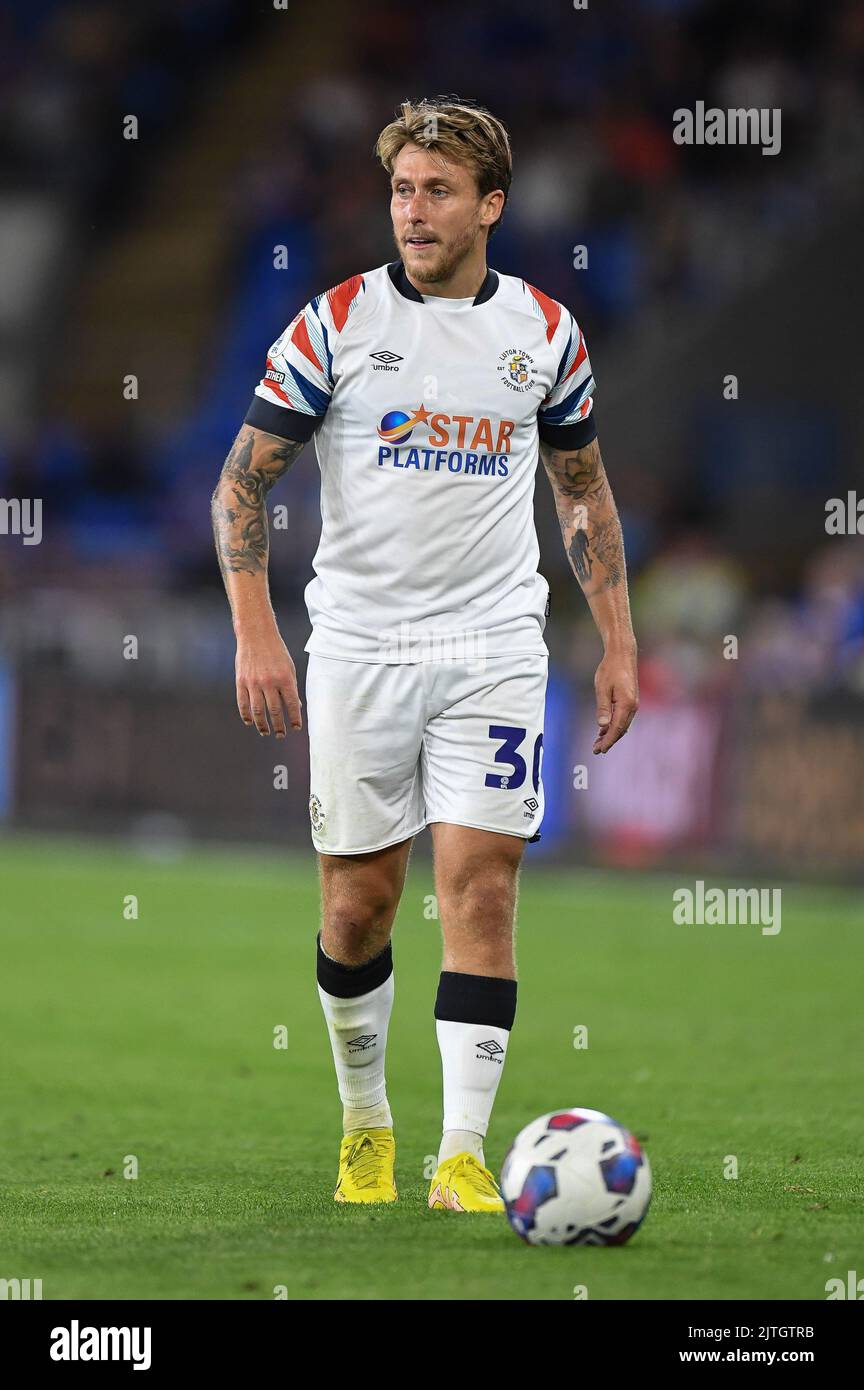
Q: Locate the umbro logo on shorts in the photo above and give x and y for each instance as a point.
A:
(493, 1050)
(531, 803)
(360, 1044)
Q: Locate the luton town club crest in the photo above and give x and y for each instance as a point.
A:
(516, 369)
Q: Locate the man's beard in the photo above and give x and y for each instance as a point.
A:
(448, 260)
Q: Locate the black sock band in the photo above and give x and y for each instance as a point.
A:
(350, 981)
(476, 999)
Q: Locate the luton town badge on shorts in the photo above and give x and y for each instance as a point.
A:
(316, 814)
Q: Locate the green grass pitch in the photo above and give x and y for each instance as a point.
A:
(154, 1038)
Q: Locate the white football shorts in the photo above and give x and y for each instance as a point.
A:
(395, 747)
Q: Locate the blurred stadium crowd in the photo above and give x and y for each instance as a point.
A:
(268, 143)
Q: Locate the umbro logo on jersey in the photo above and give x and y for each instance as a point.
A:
(493, 1051)
(360, 1044)
(386, 361)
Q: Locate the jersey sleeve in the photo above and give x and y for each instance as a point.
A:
(565, 420)
(293, 395)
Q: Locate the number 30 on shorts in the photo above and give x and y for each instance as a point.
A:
(509, 753)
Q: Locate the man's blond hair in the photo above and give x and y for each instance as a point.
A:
(460, 130)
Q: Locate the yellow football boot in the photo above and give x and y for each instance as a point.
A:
(366, 1159)
(462, 1183)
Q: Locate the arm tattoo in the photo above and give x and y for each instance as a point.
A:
(239, 510)
(608, 546)
(588, 517)
(580, 555)
(577, 474)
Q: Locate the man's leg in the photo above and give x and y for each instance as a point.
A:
(476, 881)
(359, 897)
(366, 805)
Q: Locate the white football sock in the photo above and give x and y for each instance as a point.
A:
(472, 1060)
(358, 1037)
(460, 1141)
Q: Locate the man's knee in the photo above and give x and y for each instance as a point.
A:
(480, 894)
(358, 909)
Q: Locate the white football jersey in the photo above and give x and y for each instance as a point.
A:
(427, 414)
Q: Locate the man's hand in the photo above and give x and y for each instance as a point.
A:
(267, 684)
(617, 688)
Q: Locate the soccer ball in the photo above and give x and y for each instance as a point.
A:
(575, 1177)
